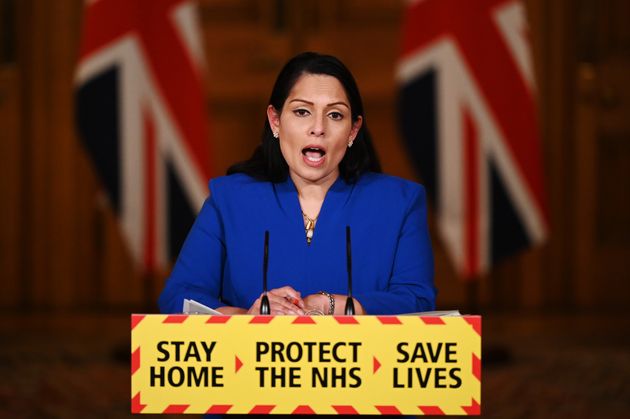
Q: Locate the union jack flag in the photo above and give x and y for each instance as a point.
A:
(468, 115)
(141, 114)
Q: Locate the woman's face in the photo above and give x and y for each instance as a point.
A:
(314, 126)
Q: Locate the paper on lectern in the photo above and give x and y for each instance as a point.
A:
(195, 307)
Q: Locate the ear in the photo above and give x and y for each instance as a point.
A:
(356, 126)
(273, 116)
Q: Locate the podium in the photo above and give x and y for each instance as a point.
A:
(406, 364)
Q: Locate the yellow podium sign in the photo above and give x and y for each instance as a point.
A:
(409, 365)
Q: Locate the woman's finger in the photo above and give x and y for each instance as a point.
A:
(255, 308)
(290, 294)
(280, 303)
(286, 290)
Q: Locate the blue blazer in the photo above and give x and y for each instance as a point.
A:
(392, 263)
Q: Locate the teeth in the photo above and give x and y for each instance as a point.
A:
(314, 159)
(313, 154)
(313, 150)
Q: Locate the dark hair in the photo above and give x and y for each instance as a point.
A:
(267, 162)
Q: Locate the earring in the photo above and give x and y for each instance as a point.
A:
(350, 143)
(275, 134)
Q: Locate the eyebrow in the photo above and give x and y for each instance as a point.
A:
(328, 105)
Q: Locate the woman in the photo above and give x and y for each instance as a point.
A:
(315, 173)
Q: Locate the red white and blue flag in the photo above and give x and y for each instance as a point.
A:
(142, 117)
(468, 115)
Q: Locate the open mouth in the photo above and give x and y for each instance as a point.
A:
(313, 154)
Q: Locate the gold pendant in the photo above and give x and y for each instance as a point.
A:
(309, 227)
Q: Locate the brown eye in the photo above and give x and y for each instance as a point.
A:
(301, 112)
(337, 116)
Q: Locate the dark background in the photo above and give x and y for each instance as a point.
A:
(558, 312)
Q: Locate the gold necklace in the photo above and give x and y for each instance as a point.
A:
(309, 227)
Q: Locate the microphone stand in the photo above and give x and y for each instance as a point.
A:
(264, 301)
(349, 311)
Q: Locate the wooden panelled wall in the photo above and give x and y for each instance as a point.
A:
(59, 245)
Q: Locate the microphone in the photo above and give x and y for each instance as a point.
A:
(349, 302)
(264, 301)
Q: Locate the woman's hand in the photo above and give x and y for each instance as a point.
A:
(284, 300)
(321, 303)
(317, 302)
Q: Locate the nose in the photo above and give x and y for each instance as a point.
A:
(318, 127)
